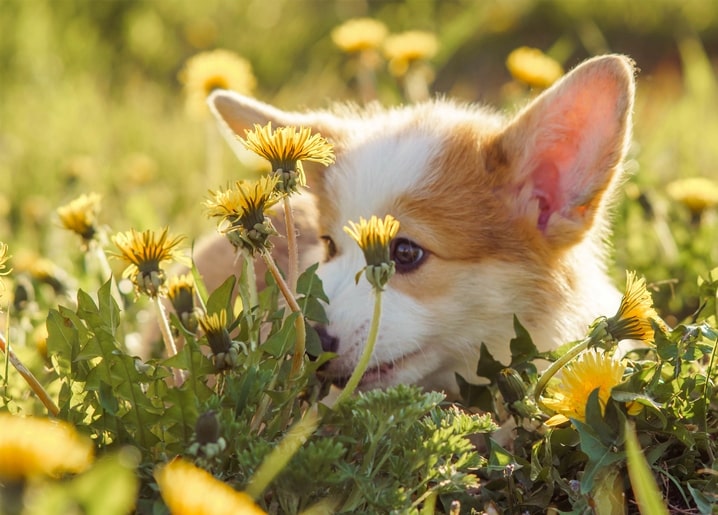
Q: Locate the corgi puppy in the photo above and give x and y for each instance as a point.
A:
(500, 216)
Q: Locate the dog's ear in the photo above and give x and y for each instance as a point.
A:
(237, 114)
(565, 148)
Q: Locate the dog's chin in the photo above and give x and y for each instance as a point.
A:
(403, 370)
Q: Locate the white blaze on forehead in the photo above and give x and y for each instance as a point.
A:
(368, 178)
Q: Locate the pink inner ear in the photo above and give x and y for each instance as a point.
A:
(547, 190)
(569, 155)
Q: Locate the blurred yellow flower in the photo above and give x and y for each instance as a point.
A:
(635, 313)
(404, 48)
(359, 34)
(32, 446)
(43, 270)
(592, 369)
(285, 148)
(189, 490)
(144, 253)
(4, 257)
(531, 66)
(696, 193)
(216, 69)
(374, 237)
(79, 216)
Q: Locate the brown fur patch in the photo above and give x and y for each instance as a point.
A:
(461, 213)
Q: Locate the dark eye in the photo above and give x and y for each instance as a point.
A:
(330, 249)
(406, 254)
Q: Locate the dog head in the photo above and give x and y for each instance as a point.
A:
(499, 216)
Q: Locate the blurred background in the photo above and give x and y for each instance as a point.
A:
(95, 96)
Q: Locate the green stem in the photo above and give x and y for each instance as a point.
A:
(292, 247)
(301, 338)
(366, 355)
(29, 378)
(554, 368)
(169, 340)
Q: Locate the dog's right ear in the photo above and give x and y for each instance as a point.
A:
(236, 114)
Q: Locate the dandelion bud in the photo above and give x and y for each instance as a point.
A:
(511, 385)
(207, 428)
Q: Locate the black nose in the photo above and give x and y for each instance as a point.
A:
(329, 343)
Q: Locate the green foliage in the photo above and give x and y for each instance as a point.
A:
(667, 397)
(381, 451)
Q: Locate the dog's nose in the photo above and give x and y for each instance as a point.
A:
(329, 343)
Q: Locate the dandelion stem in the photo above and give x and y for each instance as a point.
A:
(554, 368)
(366, 355)
(29, 378)
(169, 340)
(301, 338)
(293, 267)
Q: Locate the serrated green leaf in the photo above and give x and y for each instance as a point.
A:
(107, 398)
(522, 346)
(62, 340)
(499, 458)
(599, 455)
(108, 308)
(312, 344)
(282, 342)
(221, 298)
(488, 367)
(476, 395)
(309, 284)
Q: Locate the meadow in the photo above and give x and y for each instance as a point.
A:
(99, 97)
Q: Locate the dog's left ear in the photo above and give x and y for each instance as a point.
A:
(236, 114)
(566, 148)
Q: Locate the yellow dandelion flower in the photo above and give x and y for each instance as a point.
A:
(359, 34)
(404, 48)
(33, 446)
(241, 211)
(180, 292)
(635, 313)
(285, 148)
(190, 490)
(80, 215)
(43, 270)
(216, 69)
(374, 236)
(696, 193)
(531, 66)
(592, 369)
(144, 253)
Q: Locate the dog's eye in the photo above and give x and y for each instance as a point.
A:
(406, 254)
(330, 249)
